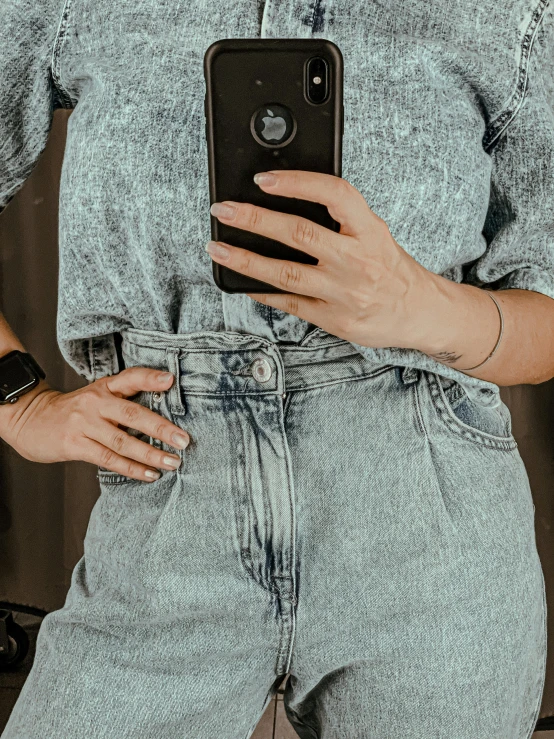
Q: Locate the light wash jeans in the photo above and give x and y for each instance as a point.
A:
(367, 529)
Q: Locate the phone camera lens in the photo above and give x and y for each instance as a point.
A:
(317, 80)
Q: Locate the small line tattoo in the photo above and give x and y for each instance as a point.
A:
(446, 357)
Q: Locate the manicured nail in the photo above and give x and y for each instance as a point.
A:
(222, 210)
(218, 250)
(172, 461)
(265, 178)
(164, 377)
(152, 474)
(180, 441)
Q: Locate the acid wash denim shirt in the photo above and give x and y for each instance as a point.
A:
(448, 134)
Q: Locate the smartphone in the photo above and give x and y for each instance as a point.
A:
(270, 104)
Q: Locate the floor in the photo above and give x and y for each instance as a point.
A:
(274, 723)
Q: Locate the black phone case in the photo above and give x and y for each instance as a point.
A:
(241, 76)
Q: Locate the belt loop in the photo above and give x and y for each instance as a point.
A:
(409, 375)
(117, 338)
(176, 402)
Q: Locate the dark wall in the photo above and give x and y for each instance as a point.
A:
(44, 508)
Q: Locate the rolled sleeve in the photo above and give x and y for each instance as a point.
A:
(519, 227)
(28, 98)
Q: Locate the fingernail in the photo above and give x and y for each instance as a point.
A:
(172, 461)
(164, 377)
(217, 250)
(265, 178)
(180, 441)
(222, 210)
(152, 474)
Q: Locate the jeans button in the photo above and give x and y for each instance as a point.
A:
(261, 370)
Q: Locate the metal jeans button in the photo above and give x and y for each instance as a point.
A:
(261, 370)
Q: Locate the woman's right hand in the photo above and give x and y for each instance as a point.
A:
(90, 424)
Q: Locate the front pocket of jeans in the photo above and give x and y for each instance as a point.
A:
(461, 414)
(109, 477)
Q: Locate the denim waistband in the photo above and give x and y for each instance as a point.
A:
(220, 362)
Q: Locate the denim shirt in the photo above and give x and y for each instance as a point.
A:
(448, 134)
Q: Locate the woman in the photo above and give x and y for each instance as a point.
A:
(352, 509)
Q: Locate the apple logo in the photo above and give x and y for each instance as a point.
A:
(273, 125)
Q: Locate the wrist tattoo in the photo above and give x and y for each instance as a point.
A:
(446, 357)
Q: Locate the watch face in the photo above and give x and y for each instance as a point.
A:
(14, 377)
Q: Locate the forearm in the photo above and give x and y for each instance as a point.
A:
(463, 326)
(8, 340)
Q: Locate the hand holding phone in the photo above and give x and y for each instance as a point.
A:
(270, 104)
(362, 286)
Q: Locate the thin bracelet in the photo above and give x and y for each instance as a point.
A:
(499, 337)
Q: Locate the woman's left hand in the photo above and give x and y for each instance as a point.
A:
(365, 288)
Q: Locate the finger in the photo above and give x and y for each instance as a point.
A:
(126, 445)
(100, 455)
(300, 233)
(344, 202)
(132, 380)
(310, 309)
(293, 277)
(136, 416)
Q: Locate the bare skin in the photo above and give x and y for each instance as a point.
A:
(90, 424)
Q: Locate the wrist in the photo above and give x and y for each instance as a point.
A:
(11, 412)
(462, 324)
(431, 328)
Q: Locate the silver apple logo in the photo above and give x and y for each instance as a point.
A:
(274, 126)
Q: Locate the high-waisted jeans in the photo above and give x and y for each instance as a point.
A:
(367, 529)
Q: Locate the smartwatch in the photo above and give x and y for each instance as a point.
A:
(19, 373)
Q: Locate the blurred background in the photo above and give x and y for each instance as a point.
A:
(45, 508)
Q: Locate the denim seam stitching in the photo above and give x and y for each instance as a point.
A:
(542, 677)
(288, 636)
(417, 405)
(479, 437)
(59, 41)
(243, 522)
(109, 479)
(265, 344)
(501, 122)
(328, 383)
(429, 450)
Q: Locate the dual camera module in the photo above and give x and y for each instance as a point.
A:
(317, 77)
